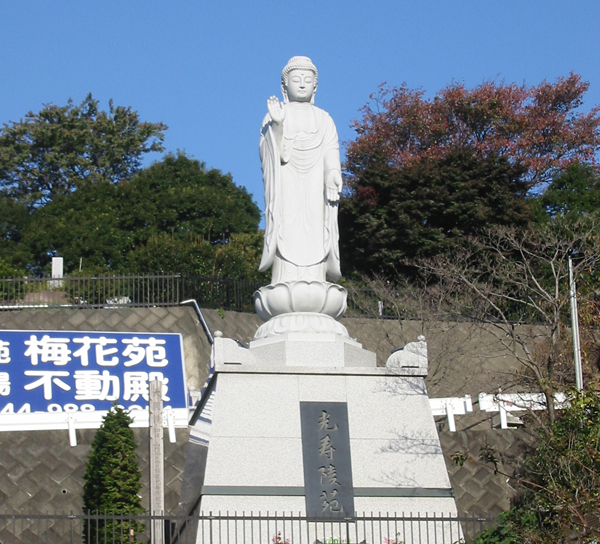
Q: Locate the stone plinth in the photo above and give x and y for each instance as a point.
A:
(257, 460)
(255, 455)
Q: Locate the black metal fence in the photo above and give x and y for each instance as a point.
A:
(126, 290)
(149, 290)
(228, 294)
(240, 528)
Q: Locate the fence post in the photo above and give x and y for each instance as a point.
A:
(157, 491)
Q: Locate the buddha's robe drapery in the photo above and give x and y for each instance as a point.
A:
(301, 229)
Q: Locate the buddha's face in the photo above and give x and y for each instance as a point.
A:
(300, 85)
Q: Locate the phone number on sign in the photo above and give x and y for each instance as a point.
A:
(9, 408)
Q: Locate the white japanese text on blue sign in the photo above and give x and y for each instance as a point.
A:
(53, 371)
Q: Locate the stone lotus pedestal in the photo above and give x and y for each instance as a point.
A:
(302, 329)
(300, 307)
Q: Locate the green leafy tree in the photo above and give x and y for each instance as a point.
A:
(14, 221)
(57, 150)
(240, 258)
(179, 195)
(574, 191)
(168, 254)
(423, 209)
(172, 217)
(71, 186)
(112, 481)
(7, 271)
(82, 227)
(560, 482)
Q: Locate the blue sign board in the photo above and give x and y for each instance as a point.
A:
(55, 371)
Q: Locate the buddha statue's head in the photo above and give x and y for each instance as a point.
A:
(299, 80)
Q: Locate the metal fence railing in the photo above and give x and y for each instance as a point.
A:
(171, 290)
(91, 292)
(150, 290)
(228, 294)
(240, 528)
(126, 290)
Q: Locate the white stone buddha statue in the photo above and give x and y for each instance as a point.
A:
(300, 157)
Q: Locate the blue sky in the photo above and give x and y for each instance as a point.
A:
(206, 69)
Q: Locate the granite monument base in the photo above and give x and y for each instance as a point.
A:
(324, 440)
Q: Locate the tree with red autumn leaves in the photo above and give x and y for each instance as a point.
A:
(423, 172)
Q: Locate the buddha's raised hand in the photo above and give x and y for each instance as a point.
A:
(276, 110)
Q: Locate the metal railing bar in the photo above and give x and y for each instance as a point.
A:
(193, 302)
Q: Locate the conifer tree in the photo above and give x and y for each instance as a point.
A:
(112, 481)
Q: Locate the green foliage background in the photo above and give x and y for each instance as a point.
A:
(560, 481)
(172, 217)
(426, 208)
(71, 185)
